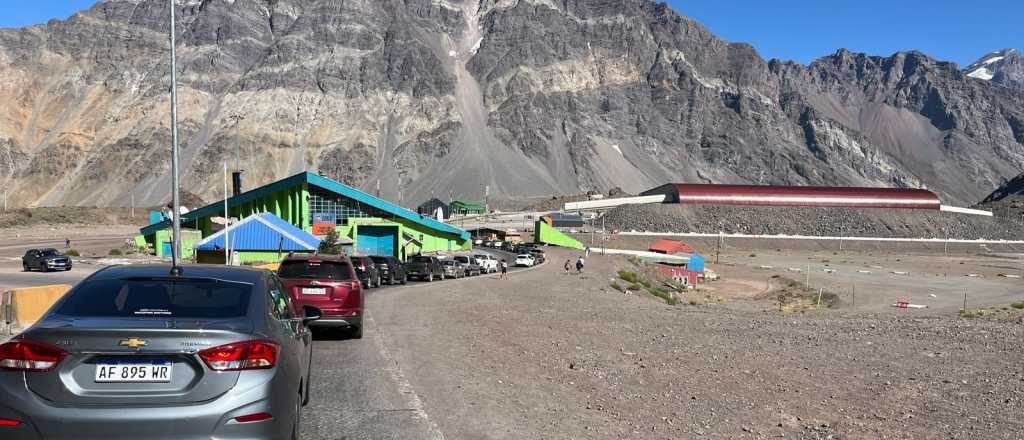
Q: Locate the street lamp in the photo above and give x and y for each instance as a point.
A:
(175, 201)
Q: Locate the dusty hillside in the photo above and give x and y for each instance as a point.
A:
(530, 97)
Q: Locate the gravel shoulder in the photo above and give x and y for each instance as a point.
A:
(546, 355)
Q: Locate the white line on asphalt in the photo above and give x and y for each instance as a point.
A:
(406, 388)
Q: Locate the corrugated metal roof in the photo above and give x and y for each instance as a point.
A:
(319, 181)
(670, 247)
(262, 232)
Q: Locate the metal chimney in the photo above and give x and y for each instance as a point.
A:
(236, 183)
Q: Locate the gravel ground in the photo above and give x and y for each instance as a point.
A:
(545, 355)
(811, 221)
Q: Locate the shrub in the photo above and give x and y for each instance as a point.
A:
(753, 255)
(617, 286)
(329, 245)
(115, 252)
(1018, 305)
(72, 253)
(635, 286)
(663, 294)
(627, 276)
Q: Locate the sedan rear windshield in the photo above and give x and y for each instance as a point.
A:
(320, 270)
(420, 259)
(115, 298)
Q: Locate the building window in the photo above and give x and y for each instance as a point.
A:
(342, 208)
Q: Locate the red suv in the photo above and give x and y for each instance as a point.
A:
(329, 283)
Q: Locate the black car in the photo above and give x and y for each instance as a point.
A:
(538, 255)
(391, 269)
(45, 260)
(425, 268)
(367, 272)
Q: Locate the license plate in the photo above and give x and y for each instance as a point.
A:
(314, 291)
(142, 371)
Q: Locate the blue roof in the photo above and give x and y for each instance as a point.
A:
(262, 232)
(318, 181)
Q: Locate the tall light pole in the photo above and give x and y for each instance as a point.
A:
(175, 201)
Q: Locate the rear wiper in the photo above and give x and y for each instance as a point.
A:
(176, 280)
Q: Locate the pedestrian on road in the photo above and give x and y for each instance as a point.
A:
(587, 251)
(579, 266)
(504, 270)
(67, 243)
(567, 266)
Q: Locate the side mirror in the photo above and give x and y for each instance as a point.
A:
(311, 314)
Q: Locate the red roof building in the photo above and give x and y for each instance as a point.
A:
(671, 247)
(836, 197)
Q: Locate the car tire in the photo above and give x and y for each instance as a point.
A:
(357, 333)
(405, 279)
(297, 423)
(25, 268)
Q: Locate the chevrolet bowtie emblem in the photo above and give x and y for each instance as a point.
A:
(132, 342)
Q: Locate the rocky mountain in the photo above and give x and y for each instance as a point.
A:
(1004, 67)
(431, 97)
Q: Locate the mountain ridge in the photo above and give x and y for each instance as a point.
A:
(523, 98)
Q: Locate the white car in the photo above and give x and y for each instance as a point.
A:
(524, 260)
(497, 244)
(487, 262)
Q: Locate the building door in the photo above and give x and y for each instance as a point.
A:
(377, 240)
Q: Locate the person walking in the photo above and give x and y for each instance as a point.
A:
(587, 251)
(579, 265)
(504, 270)
(67, 243)
(567, 266)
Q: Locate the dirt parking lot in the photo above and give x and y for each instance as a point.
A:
(546, 355)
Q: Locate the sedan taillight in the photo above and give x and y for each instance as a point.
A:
(238, 356)
(27, 355)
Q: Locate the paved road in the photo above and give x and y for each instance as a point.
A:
(359, 389)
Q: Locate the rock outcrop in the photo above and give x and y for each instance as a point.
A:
(432, 97)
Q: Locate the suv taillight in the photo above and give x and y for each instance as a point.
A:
(27, 355)
(238, 356)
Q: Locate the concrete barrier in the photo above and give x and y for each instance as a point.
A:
(24, 306)
(270, 266)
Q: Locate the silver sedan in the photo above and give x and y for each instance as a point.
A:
(138, 352)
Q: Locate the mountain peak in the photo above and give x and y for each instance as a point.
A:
(1004, 67)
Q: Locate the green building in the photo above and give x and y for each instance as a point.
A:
(464, 207)
(316, 204)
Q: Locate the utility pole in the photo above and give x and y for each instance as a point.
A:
(718, 247)
(5, 200)
(132, 203)
(378, 188)
(227, 219)
(175, 201)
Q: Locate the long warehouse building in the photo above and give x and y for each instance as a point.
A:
(827, 197)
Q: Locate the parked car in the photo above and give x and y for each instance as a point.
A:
(366, 271)
(478, 242)
(329, 283)
(487, 262)
(140, 352)
(497, 244)
(538, 255)
(525, 260)
(425, 268)
(489, 243)
(453, 269)
(45, 260)
(470, 265)
(391, 269)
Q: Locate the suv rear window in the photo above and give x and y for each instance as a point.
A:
(420, 259)
(321, 270)
(209, 299)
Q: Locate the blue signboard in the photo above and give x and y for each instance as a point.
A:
(320, 218)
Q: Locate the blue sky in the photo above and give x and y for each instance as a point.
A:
(800, 30)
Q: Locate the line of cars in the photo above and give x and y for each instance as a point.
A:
(429, 268)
